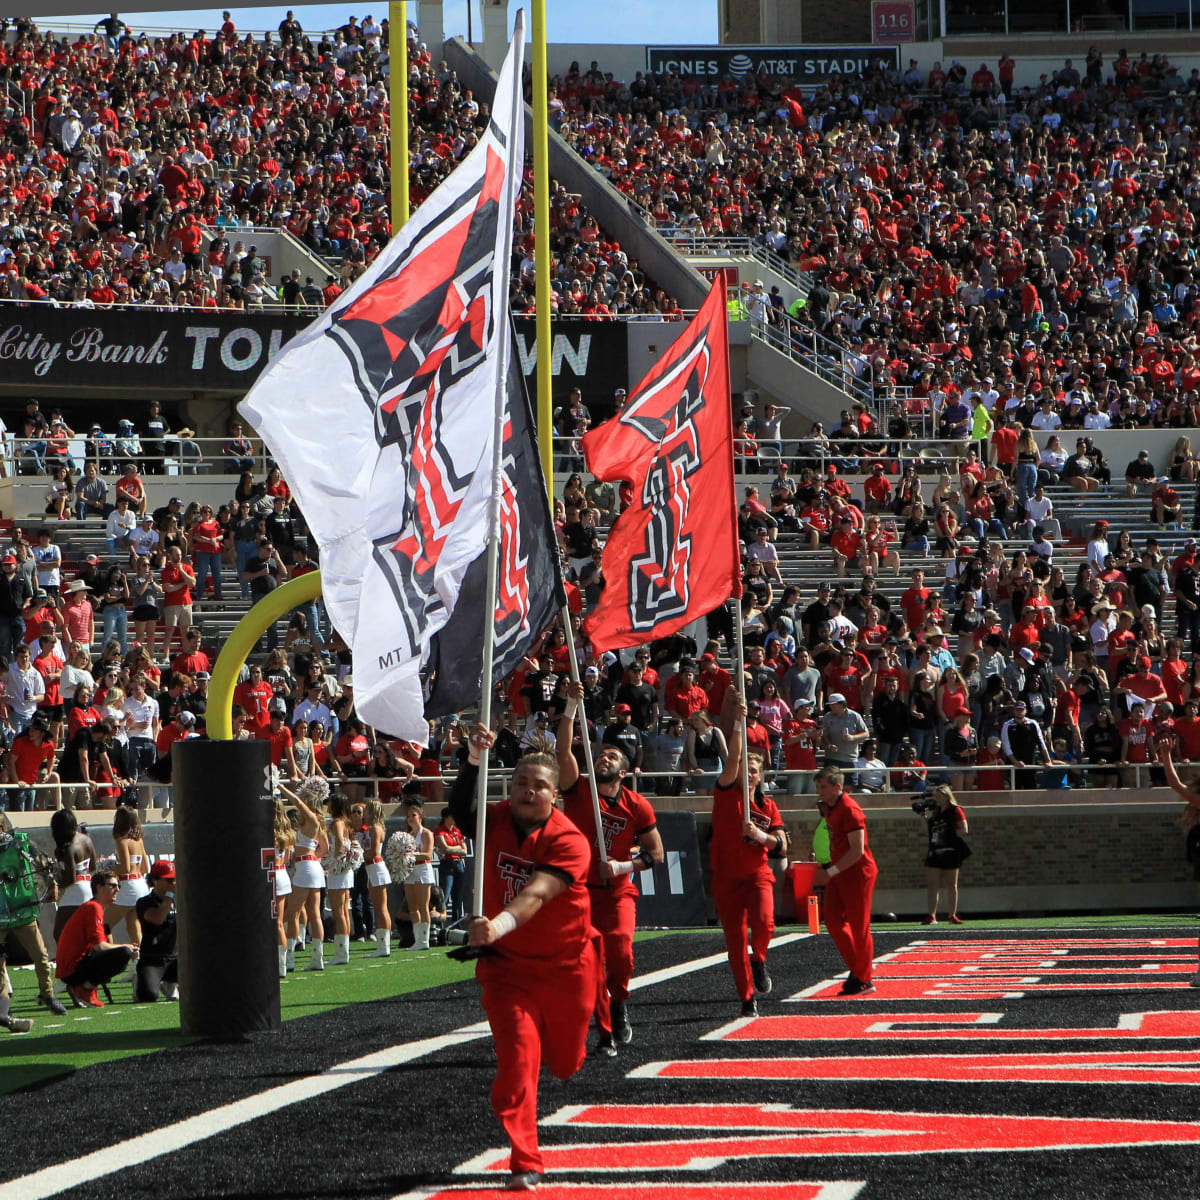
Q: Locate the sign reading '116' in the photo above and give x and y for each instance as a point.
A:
(893, 21)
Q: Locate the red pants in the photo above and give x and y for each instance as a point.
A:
(534, 1017)
(614, 916)
(848, 918)
(741, 902)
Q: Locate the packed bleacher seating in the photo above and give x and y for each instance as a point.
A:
(132, 166)
(960, 234)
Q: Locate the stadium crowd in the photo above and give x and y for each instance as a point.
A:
(962, 233)
(131, 166)
(984, 245)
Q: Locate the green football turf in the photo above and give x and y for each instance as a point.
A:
(59, 1045)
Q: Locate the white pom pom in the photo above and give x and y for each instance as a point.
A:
(400, 853)
(314, 791)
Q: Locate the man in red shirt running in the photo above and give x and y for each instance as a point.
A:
(849, 881)
(743, 885)
(627, 818)
(539, 963)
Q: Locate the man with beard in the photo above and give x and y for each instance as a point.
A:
(627, 818)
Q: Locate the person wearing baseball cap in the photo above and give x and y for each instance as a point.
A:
(157, 966)
(15, 592)
(1023, 744)
(800, 737)
(842, 729)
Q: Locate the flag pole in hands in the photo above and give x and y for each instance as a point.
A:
(589, 765)
(491, 588)
(740, 673)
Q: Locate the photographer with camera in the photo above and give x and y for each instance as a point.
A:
(157, 966)
(947, 823)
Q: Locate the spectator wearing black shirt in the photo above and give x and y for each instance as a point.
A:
(626, 736)
(15, 595)
(265, 572)
(641, 699)
(157, 968)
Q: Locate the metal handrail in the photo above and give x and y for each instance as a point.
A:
(926, 770)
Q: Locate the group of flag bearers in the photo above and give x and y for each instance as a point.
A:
(427, 523)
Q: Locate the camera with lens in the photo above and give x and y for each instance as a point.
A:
(923, 806)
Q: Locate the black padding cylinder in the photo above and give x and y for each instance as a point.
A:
(225, 888)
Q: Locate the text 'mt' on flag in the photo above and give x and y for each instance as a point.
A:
(673, 554)
(381, 415)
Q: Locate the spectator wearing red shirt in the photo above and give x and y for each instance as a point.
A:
(86, 959)
(912, 601)
(715, 681)
(683, 696)
(1137, 746)
(1187, 732)
(31, 760)
(255, 695)
(191, 660)
(280, 737)
(877, 491)
(1142, 686)
(177, 582)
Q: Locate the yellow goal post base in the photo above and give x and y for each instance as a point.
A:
(237, 648)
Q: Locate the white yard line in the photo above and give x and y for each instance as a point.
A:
(74, 1174)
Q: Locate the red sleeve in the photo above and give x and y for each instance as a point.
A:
(564, 851)
(645, 818)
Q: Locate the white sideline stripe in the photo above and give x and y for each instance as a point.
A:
(73, 1175)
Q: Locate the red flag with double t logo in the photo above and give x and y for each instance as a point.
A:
(672, 555)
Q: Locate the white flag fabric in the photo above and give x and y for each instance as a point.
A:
(381, 416)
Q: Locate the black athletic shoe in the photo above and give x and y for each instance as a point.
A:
(750, 1007)
(850, 987)
(762, 981)
(857, 987)
(53, 1005)
(18, 1024)
(523, 1181)
(622, 1030)
(606, 1047)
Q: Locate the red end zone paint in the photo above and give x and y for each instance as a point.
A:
(1021, 945)
(974, 1026)
(841, 1189)
(1033, 966)
(1127, 1067)
(766, 1131)
(982, 988)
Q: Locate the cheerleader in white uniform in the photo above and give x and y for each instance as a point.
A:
(420, 879)
(339, 882)
(75, 854)
(378, 877)
(285, 840)
(307, 877)
(132, 865)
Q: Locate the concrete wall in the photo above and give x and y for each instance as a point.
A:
(1031, 857)
(1035, 56)
(1121, 446)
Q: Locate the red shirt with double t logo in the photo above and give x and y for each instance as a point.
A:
(559, 930)
(625, 818)
(731, 856)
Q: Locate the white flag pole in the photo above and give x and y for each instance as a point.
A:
(516, 169)
(590, 766)
(740, 674)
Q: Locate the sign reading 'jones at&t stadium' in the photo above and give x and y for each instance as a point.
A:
(799, 64)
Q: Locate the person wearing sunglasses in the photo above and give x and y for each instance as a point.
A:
(87, 960)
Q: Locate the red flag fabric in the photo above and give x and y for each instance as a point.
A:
(673, 554)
